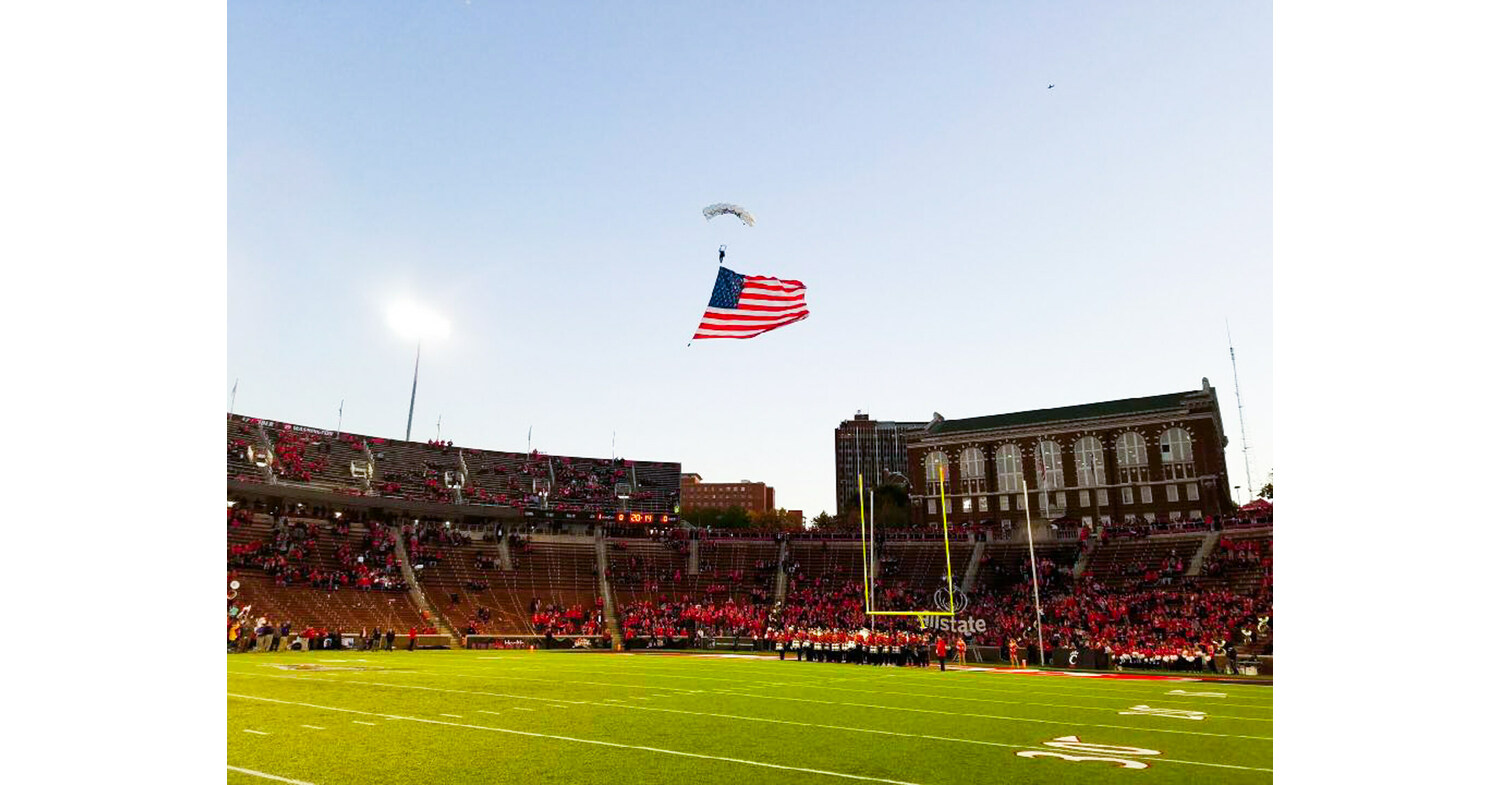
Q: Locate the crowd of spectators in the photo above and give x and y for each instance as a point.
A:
(691, 619)
(320, 554)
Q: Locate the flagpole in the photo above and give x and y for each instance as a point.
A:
(341, 416)
(232, 393)
(1036, 590)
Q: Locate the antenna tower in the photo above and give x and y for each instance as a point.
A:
(1240, 402)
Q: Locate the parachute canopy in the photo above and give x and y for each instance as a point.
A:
(714, 210)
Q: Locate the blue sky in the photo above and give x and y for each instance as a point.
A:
(972, 241)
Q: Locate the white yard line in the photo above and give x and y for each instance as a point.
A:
(994, 716)
(618, 703)
(256, 732)
(455, 716)
(522, 708)
(893, 733)
(597, 742)
(360, 722)
(314, 727)
(254, 773)
(928, 696)
(1115, 694)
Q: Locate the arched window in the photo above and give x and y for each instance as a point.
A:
(971, 470)
(1130, 454)
(937, 463)
(1088, 453)
(1049, 466)
(1177, 454)
(1008, 468)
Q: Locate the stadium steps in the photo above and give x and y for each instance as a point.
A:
(971, 572)
(264, 440)
(692, 557)
(1196, 565)
(502, 543)
(611, 615)
(414, 589)
(781, 555)
(1089, 546)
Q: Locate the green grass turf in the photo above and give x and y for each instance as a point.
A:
(528, 717)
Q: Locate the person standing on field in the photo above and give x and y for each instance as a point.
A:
(941, 650)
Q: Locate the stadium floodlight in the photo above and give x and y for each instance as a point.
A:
(413, 321)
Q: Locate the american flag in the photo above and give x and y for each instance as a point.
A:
(744, 306)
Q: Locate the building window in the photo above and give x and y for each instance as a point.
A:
(1197, 515)
(1177, 454)
(937, 464)
(1145, 494)
(932, 506)
(1192, 491)
(1008, 468)
(1083, 499)
(1004, 502)
(1103, 494)
(1049, 466)
(1130, 454)
(1088, 455)
(1127, 495)
(984, 504)
(948, 506)
(971, 470)
(968, 504)
(1174, 515)
(1172, 493)
(1150, 517)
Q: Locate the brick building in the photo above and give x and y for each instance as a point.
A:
(874, 448)
(1157, 458)
(752, 496)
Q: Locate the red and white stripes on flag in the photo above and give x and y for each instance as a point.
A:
(744, 306)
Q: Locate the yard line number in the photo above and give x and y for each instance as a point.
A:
(1181, 714)
(1126, 757)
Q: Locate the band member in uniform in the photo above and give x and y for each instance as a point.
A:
(781, 645)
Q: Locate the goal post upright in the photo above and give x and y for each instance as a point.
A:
(866, 558)
(947, 555)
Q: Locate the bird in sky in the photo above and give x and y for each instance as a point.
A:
(1050, 86)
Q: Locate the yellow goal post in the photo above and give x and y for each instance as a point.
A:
(867, 552)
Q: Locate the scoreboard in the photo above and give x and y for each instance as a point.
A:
(640, 517)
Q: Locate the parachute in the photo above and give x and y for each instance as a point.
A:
(714, 210)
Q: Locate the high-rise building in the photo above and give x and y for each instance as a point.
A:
(874, 448)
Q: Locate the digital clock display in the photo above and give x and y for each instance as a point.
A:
(641, 517)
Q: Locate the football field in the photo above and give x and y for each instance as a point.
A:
(581, 718)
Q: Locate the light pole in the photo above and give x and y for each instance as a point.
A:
(413, 321)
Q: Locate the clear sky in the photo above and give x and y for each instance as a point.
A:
(972, 241)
